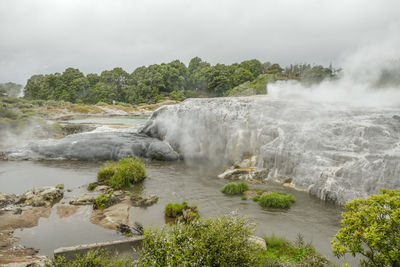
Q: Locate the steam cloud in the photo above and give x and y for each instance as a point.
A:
(370, 78)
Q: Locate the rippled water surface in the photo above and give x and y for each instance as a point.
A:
(172, 182)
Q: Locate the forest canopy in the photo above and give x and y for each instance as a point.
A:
(174, 79)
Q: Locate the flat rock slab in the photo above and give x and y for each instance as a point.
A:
(111, 217)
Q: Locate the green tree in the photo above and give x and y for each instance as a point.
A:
(241, 75)
(118, 80)
(371, 227)
(254, 66)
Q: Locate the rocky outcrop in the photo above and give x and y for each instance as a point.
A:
(83, 200)
(335, 151)
(98, 146)
(112, 216)
(250, 174)
(7, 199)
(42, 197)
(140, 201)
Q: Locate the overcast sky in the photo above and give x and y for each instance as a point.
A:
(48, 36)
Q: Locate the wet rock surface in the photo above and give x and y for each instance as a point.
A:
(83, 200)
(113, 216)
(64, 211)
(98, 146)
(250, 174)
(140, 201)
(7, 199)
(10, 220)
(43, 196)
(335, 151)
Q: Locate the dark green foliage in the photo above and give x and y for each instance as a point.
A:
(103, 201)
(94, 258)
(124, 173)
(91, 186)
(174, 210)
(255, 87)
(150, 84)
(279, 250)
(177, 95)
(234, 188)
(181, 212)
(276, 200)
(205, 242)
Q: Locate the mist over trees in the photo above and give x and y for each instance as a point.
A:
(174, 79)
(10, 89)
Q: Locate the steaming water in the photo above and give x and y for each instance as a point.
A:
(335, 151)
(172, 182)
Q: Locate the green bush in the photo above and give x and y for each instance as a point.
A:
(98, 258)
(128, 171)
(91, 186)
(174, 210)
(371, 227)
(122, 174)
(177, 95)
(106, 172)
(205, 242)
(276, 200)
(234, 188)
(280, 250)
(103, 201)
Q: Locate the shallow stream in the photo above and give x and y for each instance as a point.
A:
(316, 220)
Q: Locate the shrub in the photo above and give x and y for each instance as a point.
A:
(122, 174)
(106, 172)
(91, 186)
(206, 242)
(177, 95)
(234, 188)
(276, 200)
(103, 201)
(280, 250)
(128, 171)
(174, 210)
(371, 227)
(96, 258)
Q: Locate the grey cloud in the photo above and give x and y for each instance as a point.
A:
(46, 36)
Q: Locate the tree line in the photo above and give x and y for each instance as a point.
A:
(151, 84)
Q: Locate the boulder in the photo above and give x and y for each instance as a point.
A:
(139, 201)
(251, 174)
(83, 200)
(45, 196)
(113, 216)
(7, 199)
(258, 241)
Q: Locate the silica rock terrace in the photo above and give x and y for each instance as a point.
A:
(335, 152)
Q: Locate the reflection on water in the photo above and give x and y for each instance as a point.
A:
(172, 182)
